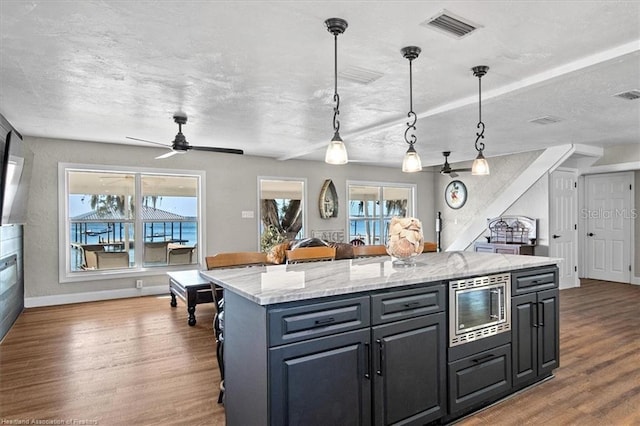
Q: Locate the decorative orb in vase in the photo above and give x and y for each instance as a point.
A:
(405, 240)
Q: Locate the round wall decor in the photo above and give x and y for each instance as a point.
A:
(455, 194)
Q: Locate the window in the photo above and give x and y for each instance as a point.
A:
(372, 205)
(120, 221)
(282, 206)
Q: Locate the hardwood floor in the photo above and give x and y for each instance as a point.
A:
(137, 362)
(122, 362)
(598, 382)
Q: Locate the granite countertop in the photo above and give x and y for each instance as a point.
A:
(266, 285)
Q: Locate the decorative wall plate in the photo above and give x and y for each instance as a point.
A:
(328, 200)
(455, 194)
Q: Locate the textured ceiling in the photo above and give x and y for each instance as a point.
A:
(258, 75)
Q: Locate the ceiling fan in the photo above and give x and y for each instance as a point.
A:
(446, 168)
(180, 144)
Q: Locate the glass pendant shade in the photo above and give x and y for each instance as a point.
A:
(480, 166)
(411, 162)
(336, 151)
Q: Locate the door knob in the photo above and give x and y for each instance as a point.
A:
(556, 236)
(591, 234)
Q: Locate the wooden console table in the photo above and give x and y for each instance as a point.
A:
(192, 288)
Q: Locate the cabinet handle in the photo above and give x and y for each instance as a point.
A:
(484, 358)
(367, 369)
(380, 357)
(534, 314)
(325, 321)
(411, 304)
(541, 314)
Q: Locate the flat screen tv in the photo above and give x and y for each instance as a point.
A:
(16, 176)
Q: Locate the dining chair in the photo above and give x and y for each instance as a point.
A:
(429, 247)
(310, 254)
(155, 252)
(180, 256)
(90, 260)
(112, 259)
(227, 260)
(370, 250)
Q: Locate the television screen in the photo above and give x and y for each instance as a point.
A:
(16, 176)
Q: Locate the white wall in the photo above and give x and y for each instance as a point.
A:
(482, 190)
(231, 185)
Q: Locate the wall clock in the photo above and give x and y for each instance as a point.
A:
(455, 194)
(328, 200)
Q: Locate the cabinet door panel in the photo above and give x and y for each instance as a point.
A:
(321, 381)
(479, 378)
(409, 370)
(548, 351)
(404, 304)
(524, 338)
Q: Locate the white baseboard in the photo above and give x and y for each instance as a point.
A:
(93, 296)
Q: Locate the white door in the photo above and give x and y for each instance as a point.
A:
(563, 220)
(608, 222)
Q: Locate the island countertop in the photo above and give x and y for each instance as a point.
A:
(266, 285)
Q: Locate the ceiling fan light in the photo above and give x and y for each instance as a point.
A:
(336, 151)
(480, 166)
(411, 162)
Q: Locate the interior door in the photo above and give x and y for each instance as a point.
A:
(563, 219)
(608, 222)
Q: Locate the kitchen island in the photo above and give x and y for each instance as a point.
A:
(363, 341)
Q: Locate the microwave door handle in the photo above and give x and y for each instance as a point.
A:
(500, 311)
(491, 314)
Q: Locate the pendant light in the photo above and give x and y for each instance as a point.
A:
(336, 151)
(411, 162)
(480, 166)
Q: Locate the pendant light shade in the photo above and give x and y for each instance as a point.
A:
(336, 151)
(480, 165)
(411, 162)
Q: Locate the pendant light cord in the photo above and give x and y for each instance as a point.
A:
(480, 134)
(411, 125)
(336, 97)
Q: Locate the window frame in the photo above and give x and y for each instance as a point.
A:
(412, 209)
(259, 203)
(64, 253)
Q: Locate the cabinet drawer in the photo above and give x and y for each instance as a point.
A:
(398, 305)
(534, 280)
(480, 378)
(296, 323)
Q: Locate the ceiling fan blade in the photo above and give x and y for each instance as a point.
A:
(166, 155)
(461, 170)
(215, 149)
(144, 140)
(453, 174)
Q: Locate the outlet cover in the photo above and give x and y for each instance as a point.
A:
(247, 214)
(138, 283)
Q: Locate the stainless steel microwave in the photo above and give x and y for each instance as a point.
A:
(479, 307)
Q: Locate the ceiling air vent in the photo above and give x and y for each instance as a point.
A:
(547, 119)
(451, 24)
(359, 75)
(630, 95)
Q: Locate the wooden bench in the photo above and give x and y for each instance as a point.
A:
(191, 288)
